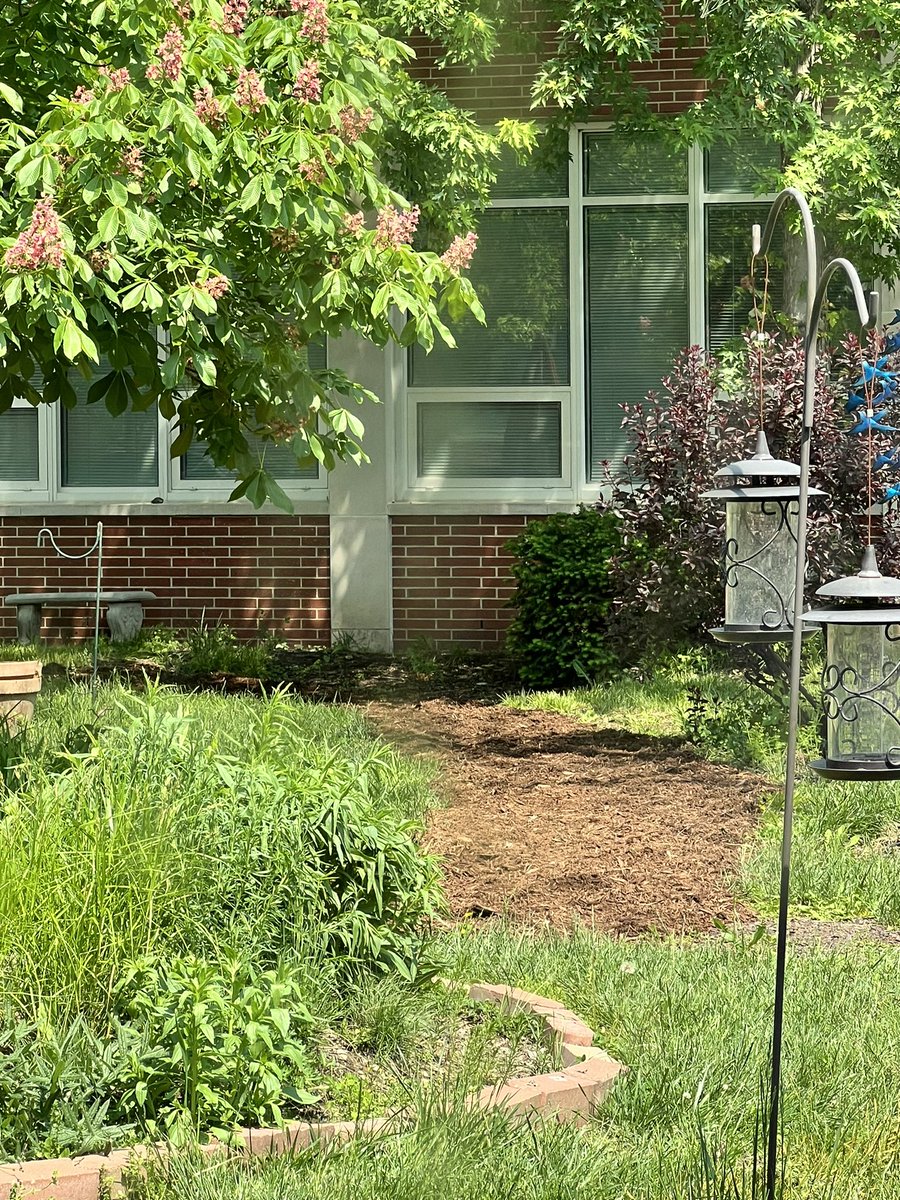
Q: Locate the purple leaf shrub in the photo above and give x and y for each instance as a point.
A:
(666, 577)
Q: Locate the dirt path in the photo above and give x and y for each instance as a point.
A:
(547, 819)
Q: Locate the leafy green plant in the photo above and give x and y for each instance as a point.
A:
(215, 649)
(379, 891)
(223, 1044)
(563, 595)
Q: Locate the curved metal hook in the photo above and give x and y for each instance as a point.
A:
(865, 310)
(48, 534)
(761, 242)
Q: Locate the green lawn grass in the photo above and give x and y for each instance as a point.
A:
(691, 1019)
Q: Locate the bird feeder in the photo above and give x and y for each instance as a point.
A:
(861, 676)
(761, 513)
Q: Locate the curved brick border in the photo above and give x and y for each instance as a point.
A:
(570, 1094)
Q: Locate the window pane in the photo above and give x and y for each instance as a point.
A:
(490, 439)
(533, 180)
(19, 445)
(729, 298)
(637, 308)
(739, 167)
(317, 356)
(615, 165)
(100, 450)
(521, 273)
(279, 461)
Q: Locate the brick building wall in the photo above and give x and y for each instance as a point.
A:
(451, 580)
(252, 573)
(502, 88)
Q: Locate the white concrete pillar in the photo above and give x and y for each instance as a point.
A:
(358, 497)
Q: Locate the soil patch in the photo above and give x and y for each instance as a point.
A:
(550, 820)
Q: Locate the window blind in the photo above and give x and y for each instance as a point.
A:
(616, 165)
(490, 439)
(100, 450)
(636, 278)
(729, 298)
(534, 179)
(279, 462)
(19, 460)
(521, 273)
(741, 166)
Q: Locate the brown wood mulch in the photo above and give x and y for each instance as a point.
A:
(546, 819)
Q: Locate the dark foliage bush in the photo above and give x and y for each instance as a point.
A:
(665, 579)
(563, 596)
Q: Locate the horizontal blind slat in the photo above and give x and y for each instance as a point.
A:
(19, 459)
(637, 312)
(100, 450)
(484, 439)
(521, 273)
(729, 297)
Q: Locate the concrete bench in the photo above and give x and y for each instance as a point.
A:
(124, 611)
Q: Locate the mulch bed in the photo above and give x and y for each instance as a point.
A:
(550, 820)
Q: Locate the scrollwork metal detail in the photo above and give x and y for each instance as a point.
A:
(732, 564)
(846, 700)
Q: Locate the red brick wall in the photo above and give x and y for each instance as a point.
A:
(451, 579)
(252, 573)
(502, 88)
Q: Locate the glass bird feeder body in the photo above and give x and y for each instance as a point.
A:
(760, 547)
(861, 676)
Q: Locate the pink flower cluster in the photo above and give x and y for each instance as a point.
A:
(354, 124)
(207, 107)
(308, 85)
(315, 19)
(133, 163)
(171, 56)
(216, 286)
(284, 239)
(183, 8)
(396, 228)
(354, 223)
(458, 254)
(83, 95)
(312, 171)
(118, 79)
(249, 91)
(41, 243)
(235, 15)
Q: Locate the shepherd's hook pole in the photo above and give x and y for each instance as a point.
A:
(98, 546)
(816, 289)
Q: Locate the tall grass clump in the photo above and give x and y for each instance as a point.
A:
(186, 883)
(197, 826)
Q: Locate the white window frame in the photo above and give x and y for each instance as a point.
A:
(171, 494)
(29, 491)
(574, 484)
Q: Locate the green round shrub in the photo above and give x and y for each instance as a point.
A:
(562, 598)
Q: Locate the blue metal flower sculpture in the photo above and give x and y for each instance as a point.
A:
(867, 402)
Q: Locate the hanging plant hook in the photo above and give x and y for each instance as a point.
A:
(96, 547)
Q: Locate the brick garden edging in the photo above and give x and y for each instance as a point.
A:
(570, 1094)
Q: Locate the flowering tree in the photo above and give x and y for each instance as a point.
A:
(195, 192)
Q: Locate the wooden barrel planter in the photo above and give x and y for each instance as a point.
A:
(20, 683)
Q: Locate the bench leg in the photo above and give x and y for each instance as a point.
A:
(28, 623)
(124, 621)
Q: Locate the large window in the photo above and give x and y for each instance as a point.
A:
(592, 279)
(84, 454)
(495, 409)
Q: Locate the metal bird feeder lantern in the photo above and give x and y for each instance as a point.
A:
(761, 520)
(861, 676)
